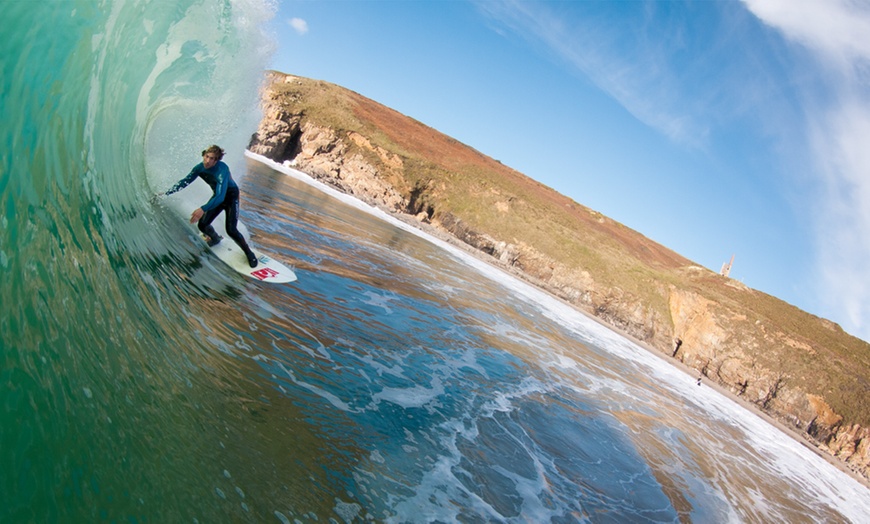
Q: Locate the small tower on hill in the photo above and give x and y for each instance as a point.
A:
(726, 267)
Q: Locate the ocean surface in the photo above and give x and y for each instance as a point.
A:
(398, 380)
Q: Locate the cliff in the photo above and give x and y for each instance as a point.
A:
(802, 370)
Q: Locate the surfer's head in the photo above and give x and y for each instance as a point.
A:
(215, 150)
(211, 156)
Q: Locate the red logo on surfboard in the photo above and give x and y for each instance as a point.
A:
(264, 273)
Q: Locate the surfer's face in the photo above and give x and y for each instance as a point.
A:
(209, 160)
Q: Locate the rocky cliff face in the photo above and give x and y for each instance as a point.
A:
(721, 340)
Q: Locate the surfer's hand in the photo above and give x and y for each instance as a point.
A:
(196, 215)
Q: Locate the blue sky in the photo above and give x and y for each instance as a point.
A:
(714, 128)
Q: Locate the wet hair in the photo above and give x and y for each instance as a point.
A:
(215, 150)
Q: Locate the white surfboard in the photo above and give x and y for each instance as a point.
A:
(268, 269)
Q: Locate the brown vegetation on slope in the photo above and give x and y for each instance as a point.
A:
(453, 156)
(801, 369)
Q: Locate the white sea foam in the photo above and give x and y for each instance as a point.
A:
(413, 397)
(326, 395)
(380, 301)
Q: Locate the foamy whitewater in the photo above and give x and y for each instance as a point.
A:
(399, 380)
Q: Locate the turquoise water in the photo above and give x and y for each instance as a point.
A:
(397, 380)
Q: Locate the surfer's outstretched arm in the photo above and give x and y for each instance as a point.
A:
(184, 182)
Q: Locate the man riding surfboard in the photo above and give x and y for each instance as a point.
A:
(217, 175)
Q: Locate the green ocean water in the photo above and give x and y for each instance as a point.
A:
(141, 380)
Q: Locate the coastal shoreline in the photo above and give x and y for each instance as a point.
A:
(690, 373)
(795, 435)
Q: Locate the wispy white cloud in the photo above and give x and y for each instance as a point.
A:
(837, 29)
(299, 25)
(838, 129)
(617, 56)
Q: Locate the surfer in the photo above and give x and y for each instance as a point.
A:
(226, 198)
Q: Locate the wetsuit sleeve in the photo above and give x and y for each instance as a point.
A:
(184, 182)
(220, 188)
